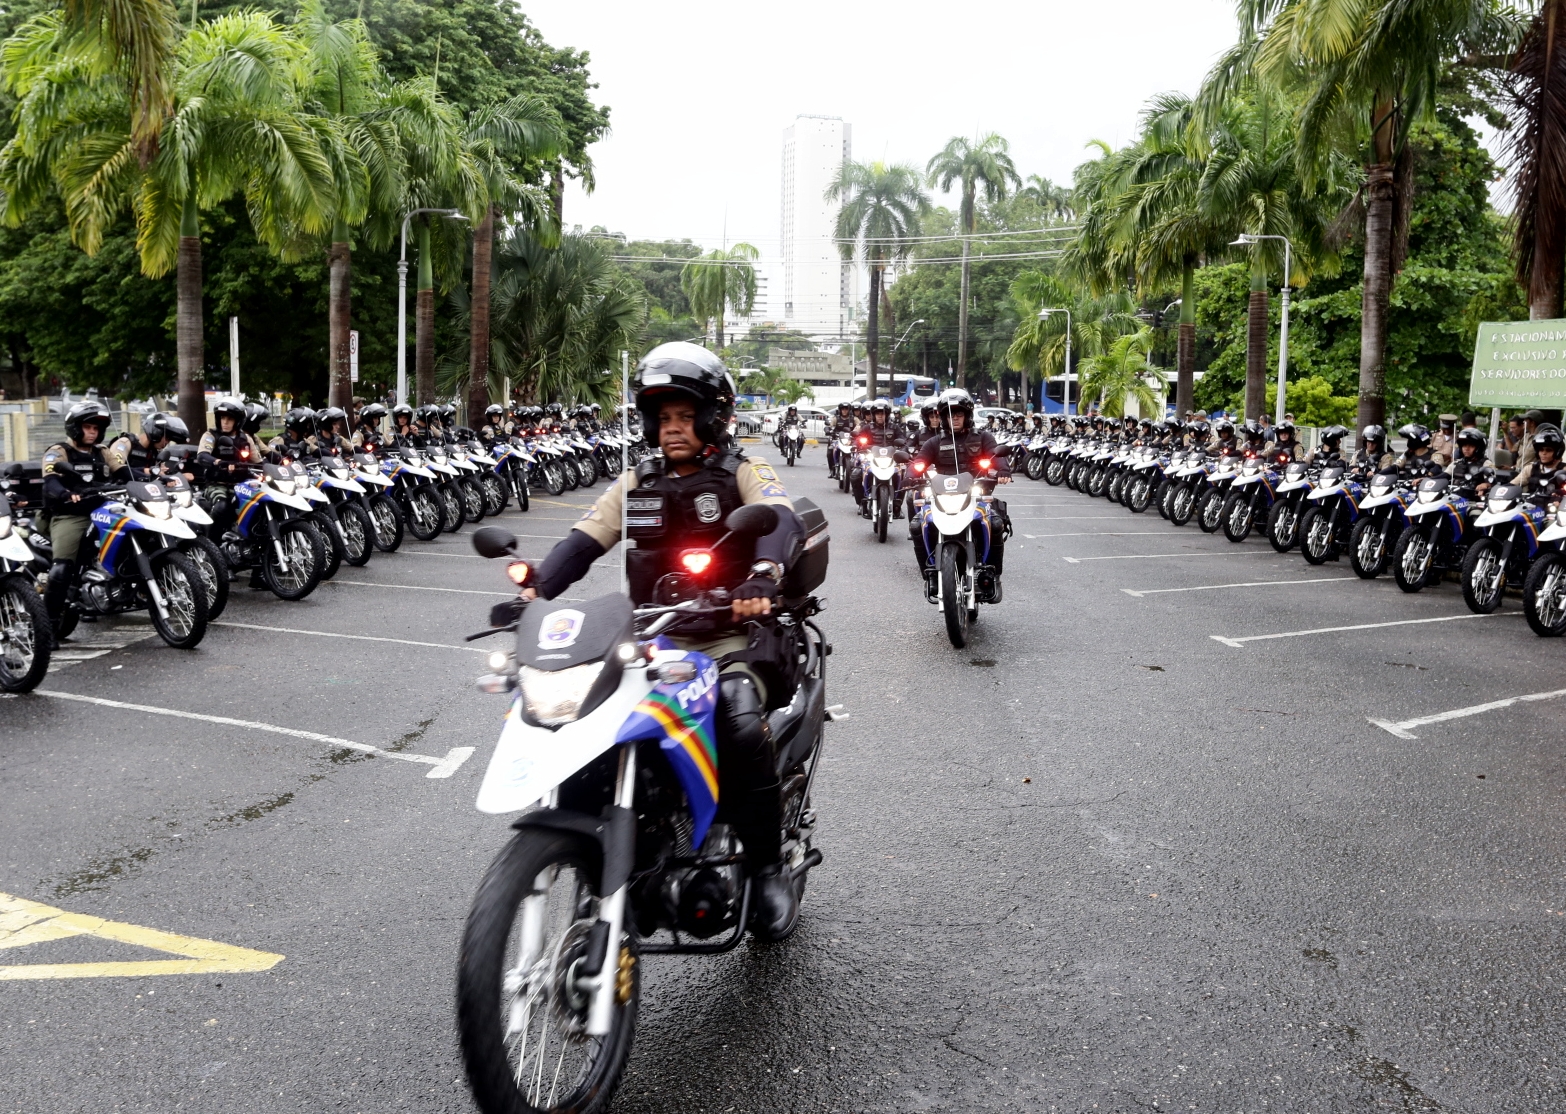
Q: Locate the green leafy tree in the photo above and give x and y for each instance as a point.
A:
(983, 163)
(724, 279)
(1121, 372)
(1096, 322)
(879, 210)
(236, 129)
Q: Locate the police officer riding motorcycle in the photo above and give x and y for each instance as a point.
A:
(75, 473)
(679, 501)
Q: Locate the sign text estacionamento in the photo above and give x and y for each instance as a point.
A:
(1519, 364)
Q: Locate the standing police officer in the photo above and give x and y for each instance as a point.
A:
(686, 397)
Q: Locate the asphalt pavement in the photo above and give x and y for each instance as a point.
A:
(1176, 831)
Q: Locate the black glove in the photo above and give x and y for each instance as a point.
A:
(756, 588)
(507, 614)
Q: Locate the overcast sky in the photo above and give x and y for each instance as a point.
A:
(700, 91)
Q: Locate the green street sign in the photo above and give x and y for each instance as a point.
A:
(1519, 364)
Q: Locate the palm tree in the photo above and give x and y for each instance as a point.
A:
(502, 138)
(236, 128)
(135, 40)
(880, 209)
(1120, 372)
(723, 279)
(1054, 200)
(983, 161)
(1364, 74)
(1538, 141)
(1039, 344)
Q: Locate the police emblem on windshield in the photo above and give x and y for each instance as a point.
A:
(708, 508)
(560, 629)
(951, 483)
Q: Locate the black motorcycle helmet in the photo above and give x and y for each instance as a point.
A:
(1254, 432)
(228, 408)
(428, 414)
(370, 416)
(326, 420)
(1333, 435)
(681, 370)
(1548, 437)
(793, 411)
(402, 415)
(495, 414)
(881, 406)
(1282, 429)
(300, 421)
(956, 399)
(156, 427)
(1375, 433)
(1471, 436)
(1224, 428)
(1198, 430)
(1418, 436)
(928, 410)
(255, 414)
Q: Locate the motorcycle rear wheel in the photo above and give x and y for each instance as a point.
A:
(180, 584)
(519, 1028)
(386, 518)
(1544, 596)
(358, 533)
(1368, 549)
(425, 516)
(954, 602)
(306, 559)
(1413, 560)
(1484, 576)
(24, 623)
(1283, 526)
(208, 561)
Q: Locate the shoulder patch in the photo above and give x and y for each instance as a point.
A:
(764, 471)
(51, 457)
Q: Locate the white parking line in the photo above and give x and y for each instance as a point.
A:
(1139, 592)
(355, 637)
(1238, 642)
(1147, 556)
(443, 767)
(416, 588)
(1098, 534)
(1401, 728)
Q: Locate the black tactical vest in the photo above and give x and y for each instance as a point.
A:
(668, 514)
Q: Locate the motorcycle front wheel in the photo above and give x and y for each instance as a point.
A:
(1316, 536)
(1484, 576)
(1139, 494)
(386, 523)
(357, 533)
(1544, 596)
(452, 514)
(425, 516)
(1413, 560)
(207, 559)
(1182, 503)
(1368, 549)
(1238, 516)
(883, 512)
(473, 501)
(954, 594)
(521, 1011)
(332, 542)
(1209, 511)
(1283, 526)
(24, 636)
(554, 478)
(306, 554)
(184, 598)
(1055, 471)
(519, 487)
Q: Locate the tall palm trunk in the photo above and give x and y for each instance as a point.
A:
(717, 323)
(1539, 106)
(188, 326)
(962, 306)
(1256, 348)
(1380, 191)
(424, 318)
(1185, 360)
(873, 331)
(478, 357)
(339, 262)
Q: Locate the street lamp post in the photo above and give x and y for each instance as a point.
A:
(1065, 372)
(1283, 332)
(893, 368)
(402, 298)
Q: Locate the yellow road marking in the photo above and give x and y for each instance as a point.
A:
(24, 922)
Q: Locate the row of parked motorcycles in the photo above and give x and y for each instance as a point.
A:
(1421, 528)
(170, 544)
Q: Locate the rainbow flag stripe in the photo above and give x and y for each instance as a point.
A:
(682, 718)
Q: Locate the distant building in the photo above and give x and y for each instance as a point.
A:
(829, 374)
(820, 289)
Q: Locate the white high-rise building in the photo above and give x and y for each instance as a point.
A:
(819, 288)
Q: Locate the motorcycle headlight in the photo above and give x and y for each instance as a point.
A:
(1498, 506)
(1560, 518)
(951, 504)
(158, 508)
(5, 526)
(284, 486)
(184, 497)
(554, 698)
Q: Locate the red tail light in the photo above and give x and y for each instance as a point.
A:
(864, 440)
(920, 466)
(519, 572)
(244, 454)
(984, 465)
(697, 561)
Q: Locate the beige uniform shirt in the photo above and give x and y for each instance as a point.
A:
(758, 483)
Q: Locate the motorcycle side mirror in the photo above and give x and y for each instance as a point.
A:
(752, 521)
(1002, 450)
(901, 457)
(492, 542)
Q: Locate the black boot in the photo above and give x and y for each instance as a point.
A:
(55, 595)
(774, 896)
